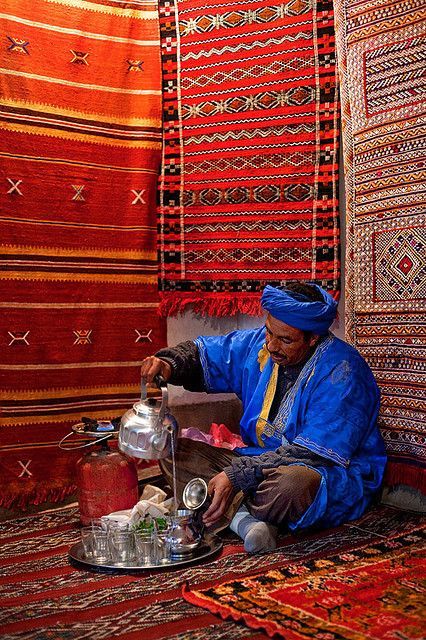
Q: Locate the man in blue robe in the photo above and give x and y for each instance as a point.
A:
(314, 455)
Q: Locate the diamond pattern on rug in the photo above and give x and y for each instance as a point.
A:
(381, 64)
(400, 268)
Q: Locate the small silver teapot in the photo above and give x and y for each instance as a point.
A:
(147, 430)
(186, 532)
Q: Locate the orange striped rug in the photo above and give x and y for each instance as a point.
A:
(81, 130)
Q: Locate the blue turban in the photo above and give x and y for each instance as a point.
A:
(297, 311)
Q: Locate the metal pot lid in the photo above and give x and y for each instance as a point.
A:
(96, 428)
(195, 493)
(147, 407)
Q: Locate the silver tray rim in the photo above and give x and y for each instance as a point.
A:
(209, 547)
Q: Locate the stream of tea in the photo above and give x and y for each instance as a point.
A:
(172, 447)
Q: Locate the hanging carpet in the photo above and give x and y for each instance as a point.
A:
(382, 52)
(81, 144)
(248, 190)
(43, 596)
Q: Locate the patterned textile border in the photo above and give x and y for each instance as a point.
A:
(80, 113)
(42, 596)
(248, 190)
(373, 592)
(381, 52)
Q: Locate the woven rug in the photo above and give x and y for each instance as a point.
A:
(381, 48)
(81, 143)
(248, 190)
(43, 596)
(376, 592)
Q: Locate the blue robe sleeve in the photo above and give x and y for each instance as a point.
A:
(340, 411)
(225, 359)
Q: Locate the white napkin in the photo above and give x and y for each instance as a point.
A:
(150, 503)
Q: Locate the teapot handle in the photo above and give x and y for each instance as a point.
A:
(143, 390)
(161, 384)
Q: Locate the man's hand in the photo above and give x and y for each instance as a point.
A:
(153, 366)
(221, 491)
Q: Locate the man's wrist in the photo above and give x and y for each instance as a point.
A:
(168, 359)
(232, 477)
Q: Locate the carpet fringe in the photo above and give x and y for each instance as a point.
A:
(400, 473)
(227, 305)
(204, 304)
(36, 497)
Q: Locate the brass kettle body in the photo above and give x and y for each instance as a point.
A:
(147, 430)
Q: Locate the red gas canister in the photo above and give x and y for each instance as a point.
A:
(106, 481)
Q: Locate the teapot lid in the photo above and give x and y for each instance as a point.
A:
(150, 405)
(195, 493)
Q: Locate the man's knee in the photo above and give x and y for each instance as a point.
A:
(297, 480)
(286, 493)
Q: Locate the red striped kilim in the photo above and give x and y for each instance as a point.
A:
(382, 55)
(42, 596)
(81, 140)
(249, 176)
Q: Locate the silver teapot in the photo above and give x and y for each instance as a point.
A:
(186, 532)
(147, 430)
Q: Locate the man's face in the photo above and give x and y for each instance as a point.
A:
(287, 345)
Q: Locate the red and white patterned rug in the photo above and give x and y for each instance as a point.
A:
(248, 191)
(43, 596)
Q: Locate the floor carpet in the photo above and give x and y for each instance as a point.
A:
(42, 596)
(376, 591)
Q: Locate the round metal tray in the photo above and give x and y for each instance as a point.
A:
(208, 547)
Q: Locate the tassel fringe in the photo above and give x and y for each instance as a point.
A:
(36, 497)
(400, 473)
(215, 305)
(220, 307)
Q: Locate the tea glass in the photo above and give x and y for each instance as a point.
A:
(101, 550)
(146, 547)
(97, 523)
(87, 541)
(163, 547)
(122, 545)
(108, 522)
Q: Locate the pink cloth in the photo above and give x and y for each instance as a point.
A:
(218, 436)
